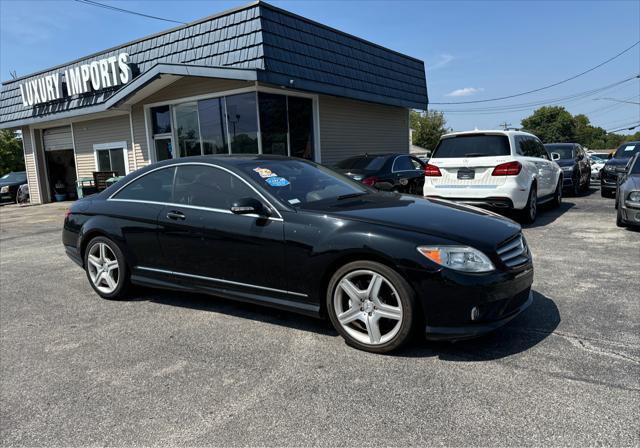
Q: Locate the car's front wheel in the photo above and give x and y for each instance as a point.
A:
(371, 306)
(106, 268)
(557, 195)
(619, 221)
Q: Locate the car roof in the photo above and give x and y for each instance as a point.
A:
(488, 131)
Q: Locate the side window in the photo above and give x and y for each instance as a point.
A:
(417, 164)
(527, 146)
(402, 163)
(153, 187)
(206, 186)
(541, 150)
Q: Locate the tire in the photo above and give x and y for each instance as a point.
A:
(606, 193)
(619, 221)
(557, 196)
(362, 326)
(114, 282)
(587, 184)
(575, 186)
(530, 211)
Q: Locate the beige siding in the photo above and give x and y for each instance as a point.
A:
(103, 130)
(349, 127)
(30, 166)
(183, 88)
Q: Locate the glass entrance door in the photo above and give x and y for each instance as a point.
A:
(164, 148)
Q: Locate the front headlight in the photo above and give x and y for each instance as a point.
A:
(567, 168)
(4, 189)
(634, 196)
(459, 258)
(609, 168)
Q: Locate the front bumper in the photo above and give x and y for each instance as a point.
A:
(456, 305)
(515, 307)
(630, 212)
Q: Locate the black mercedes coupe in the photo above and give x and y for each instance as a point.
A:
(291, 234)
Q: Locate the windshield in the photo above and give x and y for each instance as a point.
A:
(472, 146)
(298, 183)
(14, 177)
(627, 150)
(565, 151)
(597, 159)
(364, 163)
(635, 169)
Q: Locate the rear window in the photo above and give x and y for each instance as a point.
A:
(472, 146)
(627, 150)
(362, 163)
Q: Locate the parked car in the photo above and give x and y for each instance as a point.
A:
(628, 195)
(616, 165)
(597, 163)
(9, 184)
(503, 170)
(398, 172)
(294, 235)
(576, 169)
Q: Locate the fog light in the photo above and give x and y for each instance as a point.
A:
(475, 313)
(638, 217)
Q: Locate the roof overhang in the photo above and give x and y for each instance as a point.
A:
(154, 79)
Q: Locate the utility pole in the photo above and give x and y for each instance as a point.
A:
(505, 125)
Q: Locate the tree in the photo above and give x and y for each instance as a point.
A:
(11, 156)
(427, 127)
(551, 124)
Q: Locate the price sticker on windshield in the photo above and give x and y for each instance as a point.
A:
(629, 148)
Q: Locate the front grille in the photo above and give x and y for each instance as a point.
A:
(514, 252)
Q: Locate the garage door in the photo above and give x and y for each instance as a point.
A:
(57, 138)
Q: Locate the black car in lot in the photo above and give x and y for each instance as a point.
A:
(294, 235)
(393, 171)
(9, 185)
(576, 167)
(615, 167)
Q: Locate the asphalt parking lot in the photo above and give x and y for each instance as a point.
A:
(169, 368)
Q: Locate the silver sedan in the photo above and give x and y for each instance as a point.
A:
(628, 195)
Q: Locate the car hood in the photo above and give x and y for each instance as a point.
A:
(10, 182)
(468, 225)
(566, 162)
(621, 161)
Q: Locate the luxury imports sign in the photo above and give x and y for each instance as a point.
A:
(95, 76)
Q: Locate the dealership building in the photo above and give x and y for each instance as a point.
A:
(253, 80)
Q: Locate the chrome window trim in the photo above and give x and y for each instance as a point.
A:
(393, 165)
(230, 282)
(176, 165)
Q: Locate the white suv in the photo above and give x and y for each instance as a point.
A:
(496, 169)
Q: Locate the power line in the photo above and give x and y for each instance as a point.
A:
(617, 100)
(548, 86)
(526, 106)
(624, 129)
(127, 11)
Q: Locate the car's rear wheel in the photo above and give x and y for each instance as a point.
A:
(371, 306)
(530, 211)
(587, 183)
(106, 269)
(575, 185)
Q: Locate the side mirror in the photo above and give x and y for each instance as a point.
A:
(384, 186)
(555, 156)
(249, 206)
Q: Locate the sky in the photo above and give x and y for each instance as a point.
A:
(473, 50)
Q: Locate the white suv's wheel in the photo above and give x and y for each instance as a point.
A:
(530, 211)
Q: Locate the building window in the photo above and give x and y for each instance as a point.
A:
(187, 129)
(213, 126)
(242, 123)
(111, 159)
(273, 123)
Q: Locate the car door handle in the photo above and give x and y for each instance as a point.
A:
(175, 215)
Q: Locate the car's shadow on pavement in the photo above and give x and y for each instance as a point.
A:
(221, 305)
(524, 332)
(534, 325)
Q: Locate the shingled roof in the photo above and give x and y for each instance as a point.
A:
(280, 47)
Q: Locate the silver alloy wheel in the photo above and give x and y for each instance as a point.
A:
(364, 305)
(103, 268)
